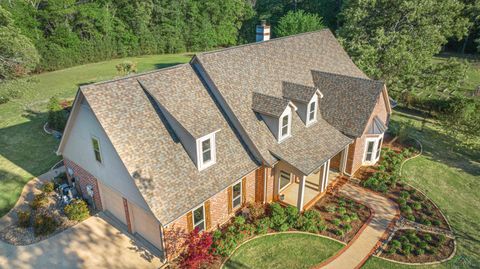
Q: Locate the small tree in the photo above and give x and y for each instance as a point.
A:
(57, 117)
(126, 67)
(298, 22)
(198, 250)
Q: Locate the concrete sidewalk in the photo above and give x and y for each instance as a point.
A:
(355, 254)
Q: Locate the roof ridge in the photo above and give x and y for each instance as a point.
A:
(135, 75)
(347, 76)
(263, 42)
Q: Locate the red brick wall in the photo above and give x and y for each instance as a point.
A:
(84, 178)
(270, 183)
(356, 150)
(218, 214)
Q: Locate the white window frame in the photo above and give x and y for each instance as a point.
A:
(377, 148)
(315, 111)
(202, 222)
(201, 164)
(280, 180)
(99, 149)
(286, 113)
(239, 196)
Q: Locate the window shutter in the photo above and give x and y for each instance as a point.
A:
(244, 190)
(208, 219)
(189, 221)
(230, 197)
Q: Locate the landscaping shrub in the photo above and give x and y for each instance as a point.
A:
(416, 205)
(197, 250)
(57, 116)
(412, 191)
(310, 221)
(347, 227)
(419, 251)
(401, 201)
(239, 220)
(39, 200)
(342, 202)
(404, 240)
(292, 215)
(441, 238)
(48, 187)
(436, 222)
(346, 218)
(339, 232)
(410, 217)
(257, 210)
(423, 245)
(24, 218)
(395, 244)
(413, 238)
(336, 222)
(330, 208)
(284, 227)
(278, 216)
(426, 222)
(353, 217)
(44, 224)
(262, 225)
(404, 195)
(224, 246)
(407, 249)
(406, 209)
(341, 210)
(77, 210)
(427, 237)
(391, 251)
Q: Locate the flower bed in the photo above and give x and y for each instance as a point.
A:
(343, 216)
(43, 217)
(418, 247)
(385, 178)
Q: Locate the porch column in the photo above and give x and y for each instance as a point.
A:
(301, 192)
(343, 161)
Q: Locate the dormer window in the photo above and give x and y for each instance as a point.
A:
(285, 121)
(312, 111)
(206, 151)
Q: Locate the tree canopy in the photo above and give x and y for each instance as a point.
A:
(18, 55)
(396, 40)
(298, 22)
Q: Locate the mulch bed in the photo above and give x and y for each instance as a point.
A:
(330, 201)
(435, 249)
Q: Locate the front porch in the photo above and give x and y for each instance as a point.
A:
(302, 190)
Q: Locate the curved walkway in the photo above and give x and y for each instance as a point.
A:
(384, 211)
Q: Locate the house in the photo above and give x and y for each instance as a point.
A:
(185, 147)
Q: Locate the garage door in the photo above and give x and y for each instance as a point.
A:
(146, 225)
(113, 203)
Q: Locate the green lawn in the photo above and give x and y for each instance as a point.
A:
(283, 251)
(25, 150)
(450, 176)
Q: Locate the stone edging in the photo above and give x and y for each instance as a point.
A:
(45, 129)
(413, 157)
(276, 233)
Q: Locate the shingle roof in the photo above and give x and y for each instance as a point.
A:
(165, 175)
(298, 92)
(264, 67)
(347, 102)
(269, 105)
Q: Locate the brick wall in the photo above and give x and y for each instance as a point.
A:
(270, 183)
(174, 232)
(356, 150)
(83, 179)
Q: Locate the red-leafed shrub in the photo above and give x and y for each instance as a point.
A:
(198, 250)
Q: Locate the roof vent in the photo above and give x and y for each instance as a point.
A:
(263, 31)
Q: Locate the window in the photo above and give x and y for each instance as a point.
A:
(284, 126)
(368, 156)
(96, 149)
(206, 151)
(199, 218)
(284, 179)
(237, 194)
(312, 112)
(373, 148)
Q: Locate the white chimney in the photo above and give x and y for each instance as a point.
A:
(263, 31)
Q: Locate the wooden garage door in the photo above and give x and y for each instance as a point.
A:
(145, 225)
(113, 203)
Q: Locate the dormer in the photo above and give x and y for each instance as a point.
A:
(276, 113)
(305, 98)
(193, 129)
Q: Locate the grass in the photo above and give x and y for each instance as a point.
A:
(449, 174)
(25, 150)
(283, 251)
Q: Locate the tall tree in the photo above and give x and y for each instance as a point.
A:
(298, 22)
(395, 40)
(18, 55)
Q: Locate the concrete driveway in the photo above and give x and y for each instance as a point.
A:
(93, 243)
